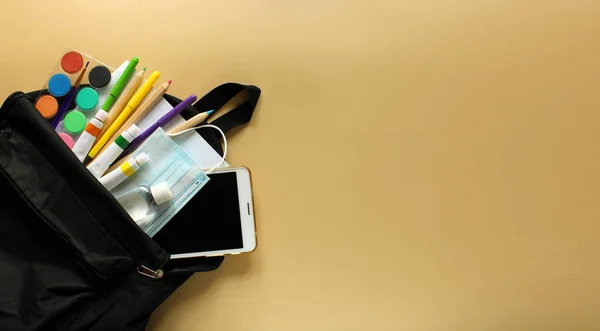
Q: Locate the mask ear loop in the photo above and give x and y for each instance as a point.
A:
(208, 126)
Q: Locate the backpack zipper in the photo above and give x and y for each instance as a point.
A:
(154, 274)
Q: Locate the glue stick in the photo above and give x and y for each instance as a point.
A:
(89, 135)
(117, 176)
(104, 160)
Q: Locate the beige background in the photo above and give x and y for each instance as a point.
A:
(418, 164)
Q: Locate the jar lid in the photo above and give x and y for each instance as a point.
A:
(141, 159)
(74, 122)
(87, 98)
(71, 62)
(67, 139)
(47, 106)
(99, 76)
(161, 193)
(134, 131)
(59, 85)
(101, 115)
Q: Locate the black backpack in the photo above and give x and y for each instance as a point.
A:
(70, 256)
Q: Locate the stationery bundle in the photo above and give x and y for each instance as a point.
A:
(71, 256)
(106, 114)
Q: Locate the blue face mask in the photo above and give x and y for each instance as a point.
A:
(167, 162)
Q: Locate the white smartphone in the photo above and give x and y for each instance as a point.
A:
(220, 222)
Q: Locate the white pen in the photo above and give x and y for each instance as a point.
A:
(99, 165)
(117, 176)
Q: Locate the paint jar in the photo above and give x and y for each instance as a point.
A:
(64, 76)
(74, 122)
(47, 106)
(59, 85)
(86, 99)
(67, 139)
(99, 76)
(71, 62)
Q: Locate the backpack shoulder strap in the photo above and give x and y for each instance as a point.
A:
(216, 99)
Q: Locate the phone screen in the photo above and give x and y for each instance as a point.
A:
(213, 224)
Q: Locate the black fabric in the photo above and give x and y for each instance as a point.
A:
(68, 252)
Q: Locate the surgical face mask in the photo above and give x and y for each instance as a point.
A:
(167, 162)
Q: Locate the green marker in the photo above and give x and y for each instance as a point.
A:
(118, 88)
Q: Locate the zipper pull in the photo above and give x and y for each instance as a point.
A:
(149, 272)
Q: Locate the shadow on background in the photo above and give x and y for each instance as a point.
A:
(198, 287)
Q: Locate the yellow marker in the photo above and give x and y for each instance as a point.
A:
(133, 102)
(122, 100)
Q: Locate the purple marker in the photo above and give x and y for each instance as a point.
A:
(166, 118)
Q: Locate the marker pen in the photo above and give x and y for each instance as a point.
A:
(89, 135)
(99, 165)
(120, 85)
(119, 112)
(117, 176)
(83, 146)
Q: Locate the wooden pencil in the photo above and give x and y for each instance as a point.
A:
(191, 122)
(148, 104)
(121, 102)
